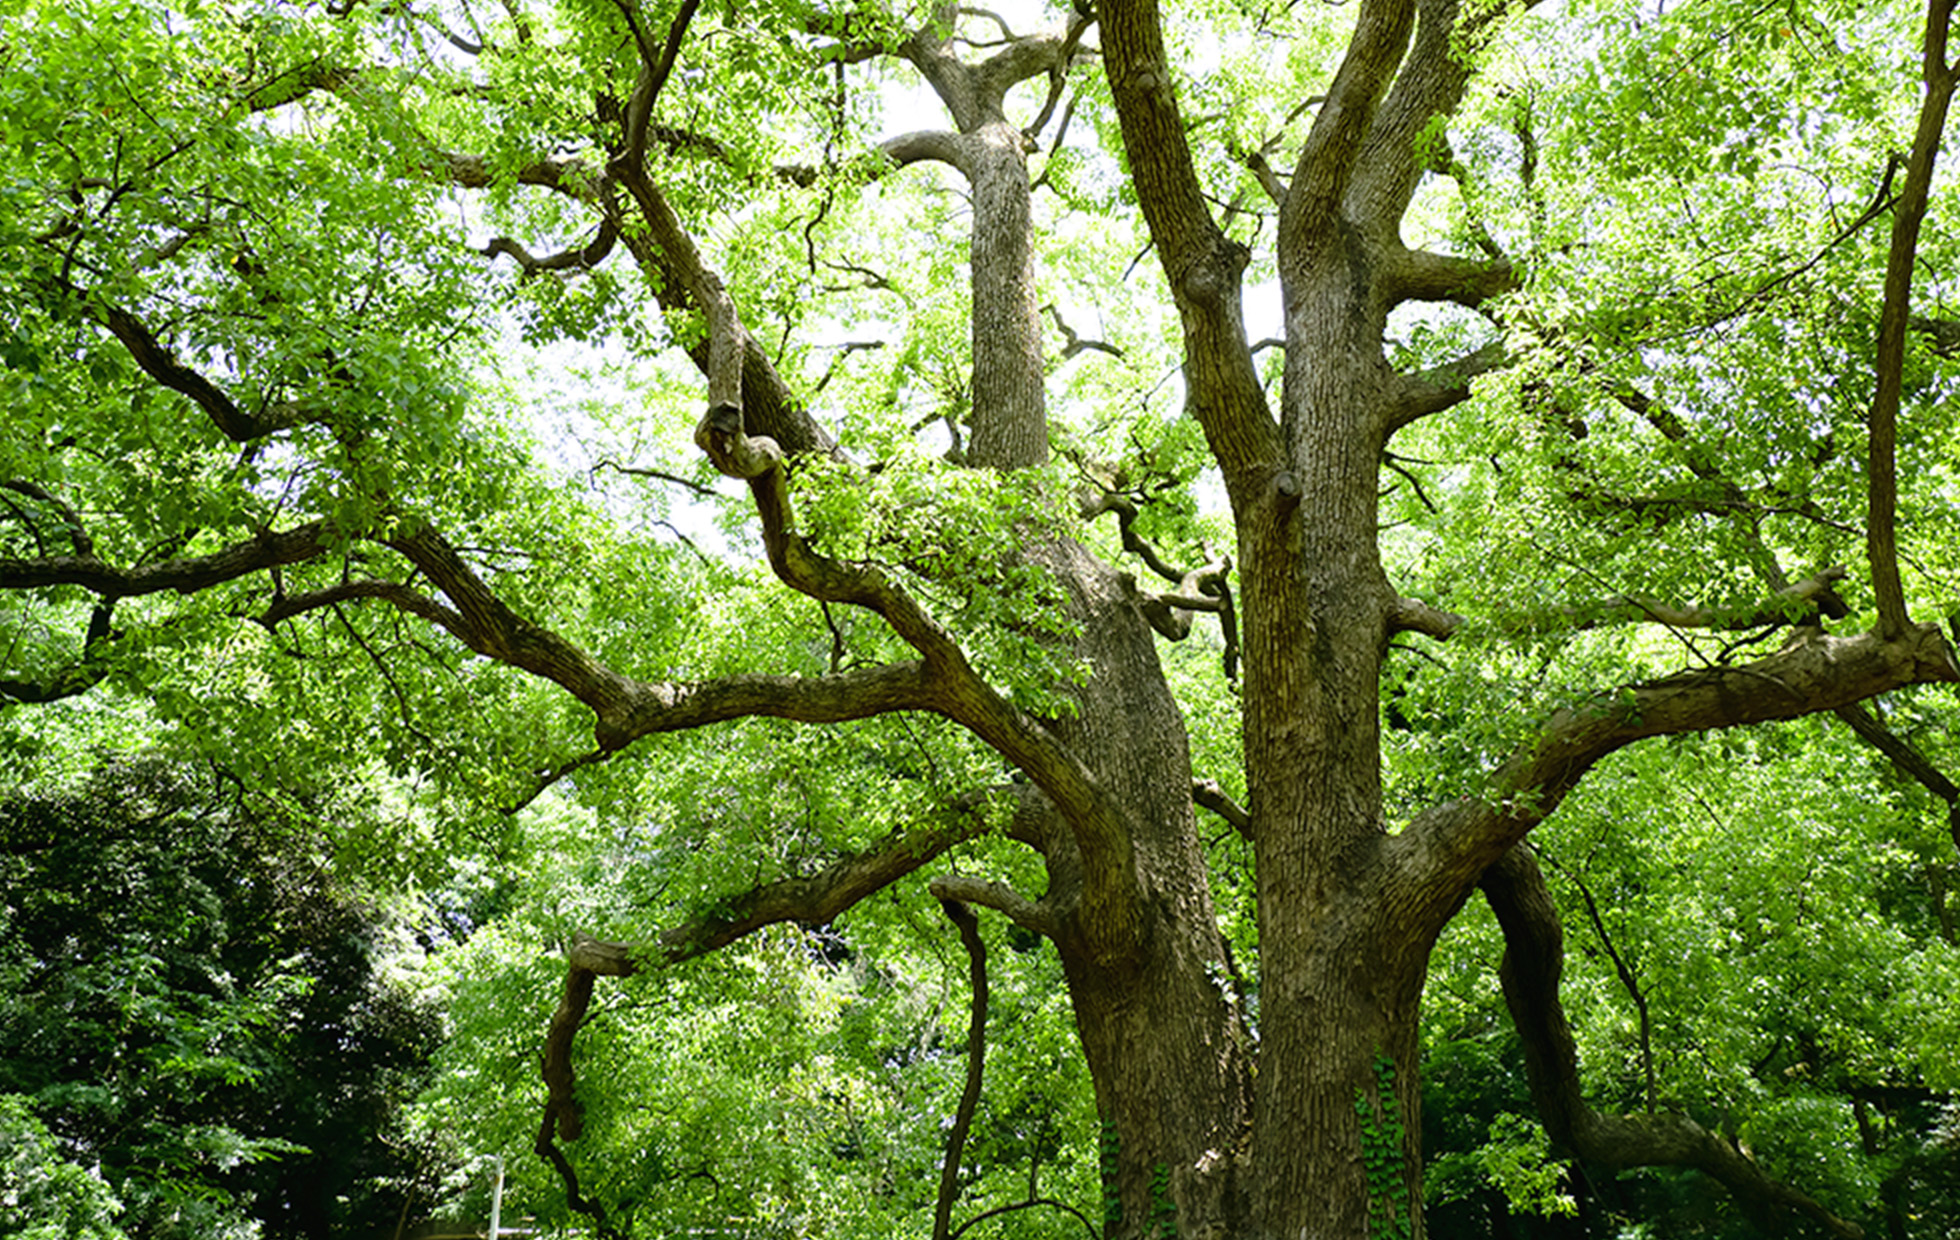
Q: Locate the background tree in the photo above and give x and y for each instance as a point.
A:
(197, 1016)
(258, 422)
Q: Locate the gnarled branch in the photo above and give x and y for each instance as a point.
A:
(1449, 844)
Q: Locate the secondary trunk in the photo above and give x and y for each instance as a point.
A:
(1161, 1027)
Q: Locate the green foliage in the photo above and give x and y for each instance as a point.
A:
(271, 193)
(44, 1196)
(1163, 1207)
(1109, 1149)
(795, 1083)
(192, 1011)
(1384, 1154)
(1775, 894)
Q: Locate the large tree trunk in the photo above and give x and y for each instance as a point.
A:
(1161, 1026)
(1162, 1031)
(1341, 979)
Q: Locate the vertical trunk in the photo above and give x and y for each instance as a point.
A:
(1161, 1029)
(1163, 1036)
(1007, 364)
(1341, 989)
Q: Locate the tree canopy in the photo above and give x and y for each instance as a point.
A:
(1214, 490)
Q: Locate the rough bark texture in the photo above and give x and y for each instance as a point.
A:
(1319, 1136)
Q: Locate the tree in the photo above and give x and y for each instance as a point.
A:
(1641, 263)
(197, 1015)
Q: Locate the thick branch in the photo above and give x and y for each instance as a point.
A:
(1444, 387)
(1420, 275)
(186, 576)
(572, 177)
(1410, 615)
(1447, 846)
(1907, 216)
(1328, 159)
(1533, 959)
(1203, 267)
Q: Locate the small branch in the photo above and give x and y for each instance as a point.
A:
(161, 364)
(76, 679)
(1909, 761)
(1073, 343)
(1408, 615)
(1210, 794)
(1813, 596)
(640, 471)
(78, 537)
(1017, 908)
(582, 258)
(815, 900)
(1628, 980)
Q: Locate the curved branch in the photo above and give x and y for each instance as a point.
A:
(976, 1062)
(1446, 847)
(1409, 615)
(941, 145)
(160, 363)
(285, 606)
(1017, 908)
(77, 678)
(580, 258)
(71, 521)
(1029, 1204)
(814, 900)
(754, 447)
(1533, 959)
